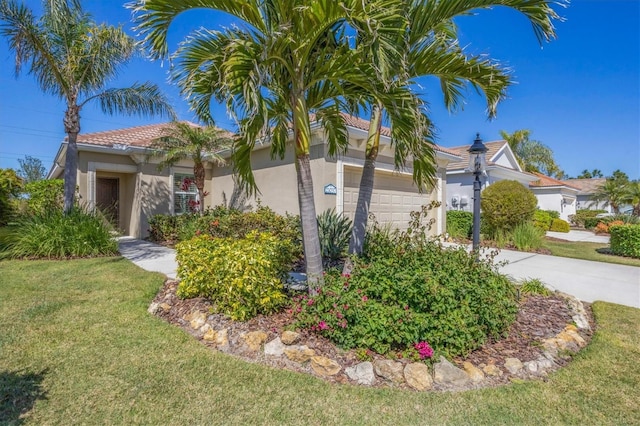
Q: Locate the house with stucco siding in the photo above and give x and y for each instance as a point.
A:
(116, 174)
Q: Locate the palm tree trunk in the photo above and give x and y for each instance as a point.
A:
(72, 128)
(356, 243)
(198, 175)
(310, 239)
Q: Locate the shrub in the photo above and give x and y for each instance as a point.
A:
(44, 195)
(533, 286)
(552, 213)
(10, 186)
(559, 225)
(625, 240)
(54, 235)
(334, 232)
(603, 226)
(527, 236)
(243, 277)
(406, 290)
(542, 220)
(459, 223)
(506, 204)
(579, 219)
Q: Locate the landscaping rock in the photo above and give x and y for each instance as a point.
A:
(492, 370)
(274, 347)
(475, 374)
(165, 307)
(210, 335)
(417, 376)
(446, 373)
(513, 365)
(153, 308)
(532, 366)
(362, 373)
(299, 354)
(389, 370)
(222, 338)
(196, 319)
(255, 339)
(290, 337)
(324, 366)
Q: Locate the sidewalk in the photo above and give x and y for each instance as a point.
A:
(588, 281)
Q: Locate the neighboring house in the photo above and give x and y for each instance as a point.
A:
(554, 194)
(586, 189)
(501, 165)
(114, 171)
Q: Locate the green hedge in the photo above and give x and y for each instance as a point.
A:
(243, 277)
(459, 223)
(582, 215)
(625, 240)
(559, 225)
(542, 220)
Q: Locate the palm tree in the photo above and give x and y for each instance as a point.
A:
(611, 193)
(293, 59)
(432, 49)
(632, 196)
(72, 58)
(533, 155)
(184, 140)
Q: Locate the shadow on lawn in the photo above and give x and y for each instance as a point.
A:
(19, 391)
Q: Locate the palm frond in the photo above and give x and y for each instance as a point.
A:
(144, 99)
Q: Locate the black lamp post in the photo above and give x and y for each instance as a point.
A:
(477, 165)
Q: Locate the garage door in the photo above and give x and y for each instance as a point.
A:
(394, 197)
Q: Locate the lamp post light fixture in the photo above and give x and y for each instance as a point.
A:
(477, 164)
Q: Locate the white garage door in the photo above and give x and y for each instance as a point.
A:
(394, 197)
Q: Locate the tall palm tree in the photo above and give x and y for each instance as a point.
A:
(185, 140)
(432, 49)
(292, 59)
(612, 193)
(73, 58)
(533, 155)
(632, 196)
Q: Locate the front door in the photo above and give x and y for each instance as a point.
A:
(107, 193)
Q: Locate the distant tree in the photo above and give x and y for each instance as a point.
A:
(31, 169)
(611, 193)
(200, 144)
(73, 58)
(533, 155)
(619, 176)
(586, 174)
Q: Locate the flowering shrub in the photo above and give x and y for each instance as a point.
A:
(405, 292)
(603, 227)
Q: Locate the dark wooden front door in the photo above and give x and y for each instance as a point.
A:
(107, 192)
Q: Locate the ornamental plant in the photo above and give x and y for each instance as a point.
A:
(625, 240)
(506, 204)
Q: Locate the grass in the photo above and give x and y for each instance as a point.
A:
(587, 251)
(77, 346)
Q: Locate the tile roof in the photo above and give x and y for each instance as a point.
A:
(586, 186)
(492, 149)
(547, 181)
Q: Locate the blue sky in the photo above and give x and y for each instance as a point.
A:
(579, 94)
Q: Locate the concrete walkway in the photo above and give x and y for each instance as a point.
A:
(574, 235)
(588, 281)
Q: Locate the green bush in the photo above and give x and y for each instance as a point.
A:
(506, 204)
(459, 223)
(243, 277)
(553, 214)
(579, 219)
(542, 220)
(406, 290)
(334, 231)
(54, 235)
(527, 236)
(625, 240)
(10, 186)
(559, 225)
(44, 195)
(164, 228)
(533, 286)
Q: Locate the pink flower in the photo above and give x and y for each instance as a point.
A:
(310, 302)
(365, 298)
(406, 307)
(322, 325)
(424, 350)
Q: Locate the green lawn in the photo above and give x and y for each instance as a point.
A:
(78, 347)
(587, 251)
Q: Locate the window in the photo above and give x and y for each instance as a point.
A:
(185, 194)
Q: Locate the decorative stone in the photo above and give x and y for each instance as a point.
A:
(274, 347)
(196, 319)
(362, 373)
(446, 373)
(513, 365)
(545, 363)
(153, 308)
(390, 370)
(222, 338)
(299, 353)
(475, 374)
(492, 370)
(210, 335)
(255, 339)
(576, 337)
(417, 376)
(165, 306)
(531, 366)
(206, 327)
(290, 337)
(324, 366)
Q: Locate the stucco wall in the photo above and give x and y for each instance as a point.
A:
(552, 199)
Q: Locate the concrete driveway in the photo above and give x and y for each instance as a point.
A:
(573, 235)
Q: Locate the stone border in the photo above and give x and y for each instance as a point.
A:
(288, 351)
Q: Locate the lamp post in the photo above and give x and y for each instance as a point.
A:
(477, 165)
